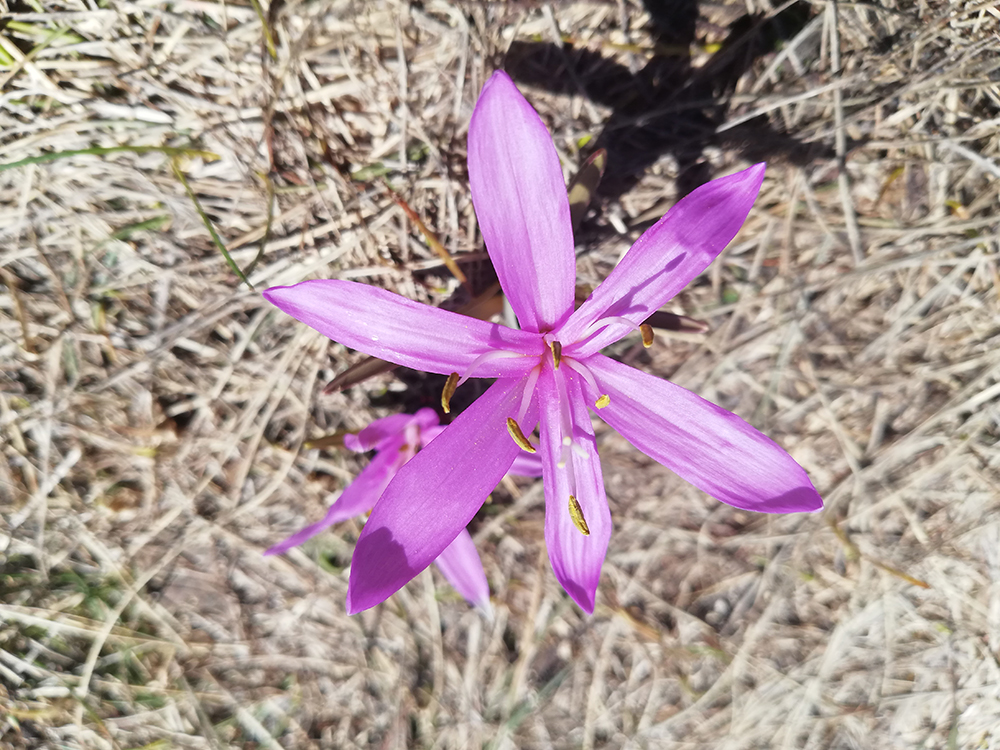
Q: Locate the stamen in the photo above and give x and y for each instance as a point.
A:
(647, 334)
(602, 323)
(529, 388)
(576, 514)
(484, 358)
(556, 348)
(515, 432)
(450, 385)
(581, 369)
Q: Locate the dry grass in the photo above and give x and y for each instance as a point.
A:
(153, 411)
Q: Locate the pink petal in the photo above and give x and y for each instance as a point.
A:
(357, 498)
(386, 427)
(461, 565)
(708, 446)
(666, 258)
(402, 331)
(576, 559)
(522, 206)
(429, 433)
(434, 496)
(526, 465)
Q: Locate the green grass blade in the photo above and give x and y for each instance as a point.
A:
(272, 50)
(216, 239)
(104, 150)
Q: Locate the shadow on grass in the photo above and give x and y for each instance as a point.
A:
(670, 107)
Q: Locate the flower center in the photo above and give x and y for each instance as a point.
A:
(569, 445)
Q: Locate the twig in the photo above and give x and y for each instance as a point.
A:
(840, 143)
(103, 151)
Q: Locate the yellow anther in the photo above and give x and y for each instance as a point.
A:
(576, 513)
(603, 401)
(647, 334)
(556, 348)
(448, 391)
(515, 432)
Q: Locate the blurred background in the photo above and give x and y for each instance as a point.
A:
(161, 424)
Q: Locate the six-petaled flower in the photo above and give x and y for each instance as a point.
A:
(550, 372)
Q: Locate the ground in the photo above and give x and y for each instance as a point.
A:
(156, 413)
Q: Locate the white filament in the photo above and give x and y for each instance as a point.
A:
(602, 323)
(529, 389)
(483, 359)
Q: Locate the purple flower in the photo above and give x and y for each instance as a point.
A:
(395, 440)
(550, 372)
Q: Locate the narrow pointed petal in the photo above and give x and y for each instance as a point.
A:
(357, 498)
(389, 427)
(667, 257)
(435, 495)
(526, 465)
(461, 565)
(429, 433)
(399, 330)
(521, 203)
(708, 446)
(576, 558)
